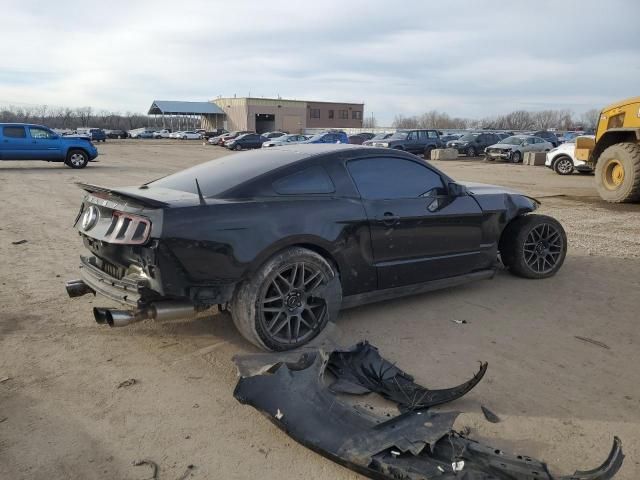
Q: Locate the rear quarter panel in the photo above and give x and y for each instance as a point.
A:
(225, 242)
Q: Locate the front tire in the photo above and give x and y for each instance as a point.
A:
(563, 166)
(516, 157)
(618, 173)
(533, 246)
(427, 153)
(288, 301)
(77, 159)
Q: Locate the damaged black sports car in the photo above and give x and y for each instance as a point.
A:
(286, 237)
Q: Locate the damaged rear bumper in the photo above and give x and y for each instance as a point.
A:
(418, 444)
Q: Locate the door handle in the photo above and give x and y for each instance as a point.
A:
(390, 219)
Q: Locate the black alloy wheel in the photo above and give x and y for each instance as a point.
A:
(471, 152)
(533, 246)
(291, 307)
(543, 248)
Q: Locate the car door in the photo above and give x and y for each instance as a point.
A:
(45, 143)
(412, 143)
(418, 231)
(15, 144)
(529, 145)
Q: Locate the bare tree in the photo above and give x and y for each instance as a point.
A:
(590, 118)
(400, 121)
(545, 119)
(369, 122)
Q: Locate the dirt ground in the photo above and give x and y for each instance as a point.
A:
(62, 415)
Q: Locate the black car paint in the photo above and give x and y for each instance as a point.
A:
(201, 252)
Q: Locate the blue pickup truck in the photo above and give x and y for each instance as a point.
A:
(22, 141)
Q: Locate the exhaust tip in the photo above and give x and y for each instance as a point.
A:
(100, 314)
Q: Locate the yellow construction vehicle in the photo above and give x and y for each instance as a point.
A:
(615, 152)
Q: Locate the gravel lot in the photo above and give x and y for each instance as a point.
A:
(63, 416)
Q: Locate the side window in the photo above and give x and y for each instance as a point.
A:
(423, 135)
(531, 141)
(14, 132)
(40, 133)
(314, 113)
(312, 180)
(412, 136)
(389, 178)
(432, 134)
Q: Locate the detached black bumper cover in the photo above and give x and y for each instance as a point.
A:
(415, 445)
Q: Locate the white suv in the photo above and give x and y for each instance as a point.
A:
(562, 159)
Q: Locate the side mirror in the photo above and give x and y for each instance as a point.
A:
(456, 190)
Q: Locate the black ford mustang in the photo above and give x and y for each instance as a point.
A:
(287, 236)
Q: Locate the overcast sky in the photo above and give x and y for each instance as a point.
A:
(468, 58)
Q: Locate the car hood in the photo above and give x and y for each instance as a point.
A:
(492, 197)
(502, 146)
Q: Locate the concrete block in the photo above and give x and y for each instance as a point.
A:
(534, 159)
(444, 154)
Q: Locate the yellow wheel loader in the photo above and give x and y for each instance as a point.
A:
(615, 152)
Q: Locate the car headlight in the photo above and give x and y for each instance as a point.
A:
(384, 144)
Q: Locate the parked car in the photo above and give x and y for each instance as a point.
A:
(548, 136)
(246, 141)
(472, 144)
(214, 133)
(376, 138)
(190, 135)
(176, 134)
(449, 137)
(289, 236)
(356, 139)
(24, 141)
(513, 148)
(141, 133)
(269, 135)
(563, 161)
(328, 137)
(232, 135)
(121, 134)
(414, 141)
(284, 140)
(366, 135)
(164, 133)
(94, 134)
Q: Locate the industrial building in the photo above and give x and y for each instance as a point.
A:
(294, 116)
(259, 114)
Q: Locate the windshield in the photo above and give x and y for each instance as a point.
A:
(512, 140)
(468, 137)
(380, 136)
(399, 136)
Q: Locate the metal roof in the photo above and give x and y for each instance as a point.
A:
(169, 107)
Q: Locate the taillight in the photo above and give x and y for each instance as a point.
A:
(128, 228)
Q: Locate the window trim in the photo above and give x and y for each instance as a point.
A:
(343, 117)
(312, 111)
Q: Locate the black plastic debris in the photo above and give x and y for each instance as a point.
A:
(489, 415)
(417, 444)
(361, 370)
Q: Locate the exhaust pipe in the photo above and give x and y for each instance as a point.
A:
(77, 288)
(162, 311)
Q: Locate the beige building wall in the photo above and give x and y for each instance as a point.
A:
(354, 113)
(289, 115)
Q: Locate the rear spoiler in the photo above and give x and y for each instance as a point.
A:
(142, 200)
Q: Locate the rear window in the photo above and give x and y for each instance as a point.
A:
(14, 132)
(218, 176)
(313, 180)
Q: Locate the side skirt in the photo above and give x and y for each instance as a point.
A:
(406, 290)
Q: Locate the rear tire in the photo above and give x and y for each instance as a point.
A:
(427, 153)
(533, 246)
(618, 173)
(288, 301)
(471, 152)
(77, 159)
(563, 165)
